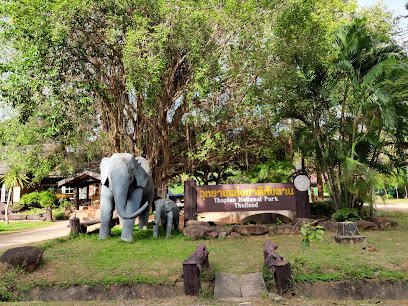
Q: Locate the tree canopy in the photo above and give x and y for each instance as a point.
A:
(212, 87)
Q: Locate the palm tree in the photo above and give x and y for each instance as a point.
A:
(14, 177)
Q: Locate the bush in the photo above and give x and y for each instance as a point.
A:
(38, 200)
(365, 213)
(388, 197)
(346, 214)
(324, 208)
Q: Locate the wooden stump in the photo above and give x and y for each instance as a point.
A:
(48, 215)
(75, 225)
(192, 269)
(279, 268)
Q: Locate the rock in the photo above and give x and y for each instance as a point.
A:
(287, 229)
(251, 229)
(234, 235)
(222, 229)
(197, 231)
(329, 226)
(212, 235)
(195, 222)
(301, 221)
(222, 235)
(385, 222)
(366, 225)
(27, 258)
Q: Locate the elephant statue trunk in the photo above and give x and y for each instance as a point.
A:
(126, 184)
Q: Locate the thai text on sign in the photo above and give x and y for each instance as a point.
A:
(245, 197)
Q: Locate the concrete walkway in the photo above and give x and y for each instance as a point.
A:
(56, 230)
(233, 287)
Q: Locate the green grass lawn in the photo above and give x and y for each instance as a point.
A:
(88, 260)
(18, 226)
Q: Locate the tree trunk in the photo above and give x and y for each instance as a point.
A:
(6, 219)
(312, 195)
(320, 192)
(396, 189)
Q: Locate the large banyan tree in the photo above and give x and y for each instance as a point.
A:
(173, 81)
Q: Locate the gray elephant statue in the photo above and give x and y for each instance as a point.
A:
(127, 184)
(168, 214)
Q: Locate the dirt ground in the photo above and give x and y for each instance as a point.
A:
(402, 206)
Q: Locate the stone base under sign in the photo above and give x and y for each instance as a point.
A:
(349, 239)
(238, 217)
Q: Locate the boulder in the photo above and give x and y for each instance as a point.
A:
(251, 229)
(234, 235)
(329, 226)
(196, 231)
(222, 235)
(287, 229)
(222, 229)
(195, 222)
(27, 258)
(366, 225)
(212, 235)
(385, 222)
(301, 221)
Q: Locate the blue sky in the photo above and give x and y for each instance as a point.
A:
(394, 5)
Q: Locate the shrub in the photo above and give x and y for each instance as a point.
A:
(30, 200)
(324, 208)
(37, 199)
(346, 214)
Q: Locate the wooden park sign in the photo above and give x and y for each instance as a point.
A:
(245, 197)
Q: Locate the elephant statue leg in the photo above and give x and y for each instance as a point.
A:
(144, 216)
(169, 223)
(106, 212)
(129, 224)
(176, 218)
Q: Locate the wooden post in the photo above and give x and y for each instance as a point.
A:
(48, 215)
(192, 270)
(302, 204)
(190, 200)
(76, 197)
(75, 225)
(301, 197)
(279, 268)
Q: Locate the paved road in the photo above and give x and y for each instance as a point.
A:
(59, 229)
(392, 206)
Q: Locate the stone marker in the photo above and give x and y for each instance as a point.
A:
(27, 258)
(227, 286)
(347, 232)
(252, 285)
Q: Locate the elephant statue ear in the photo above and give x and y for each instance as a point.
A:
(104, 170)
(142, 171)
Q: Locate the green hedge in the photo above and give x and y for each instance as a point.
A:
(37, 199)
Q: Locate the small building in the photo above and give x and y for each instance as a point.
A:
(84, 187)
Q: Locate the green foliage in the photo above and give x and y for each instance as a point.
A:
(39, 199)
(311, 233)
(324, 208)
(346, 214)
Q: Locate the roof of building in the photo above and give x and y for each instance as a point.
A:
(81, 179)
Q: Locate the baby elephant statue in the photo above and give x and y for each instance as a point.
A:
(168, 213)
(127, 185)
